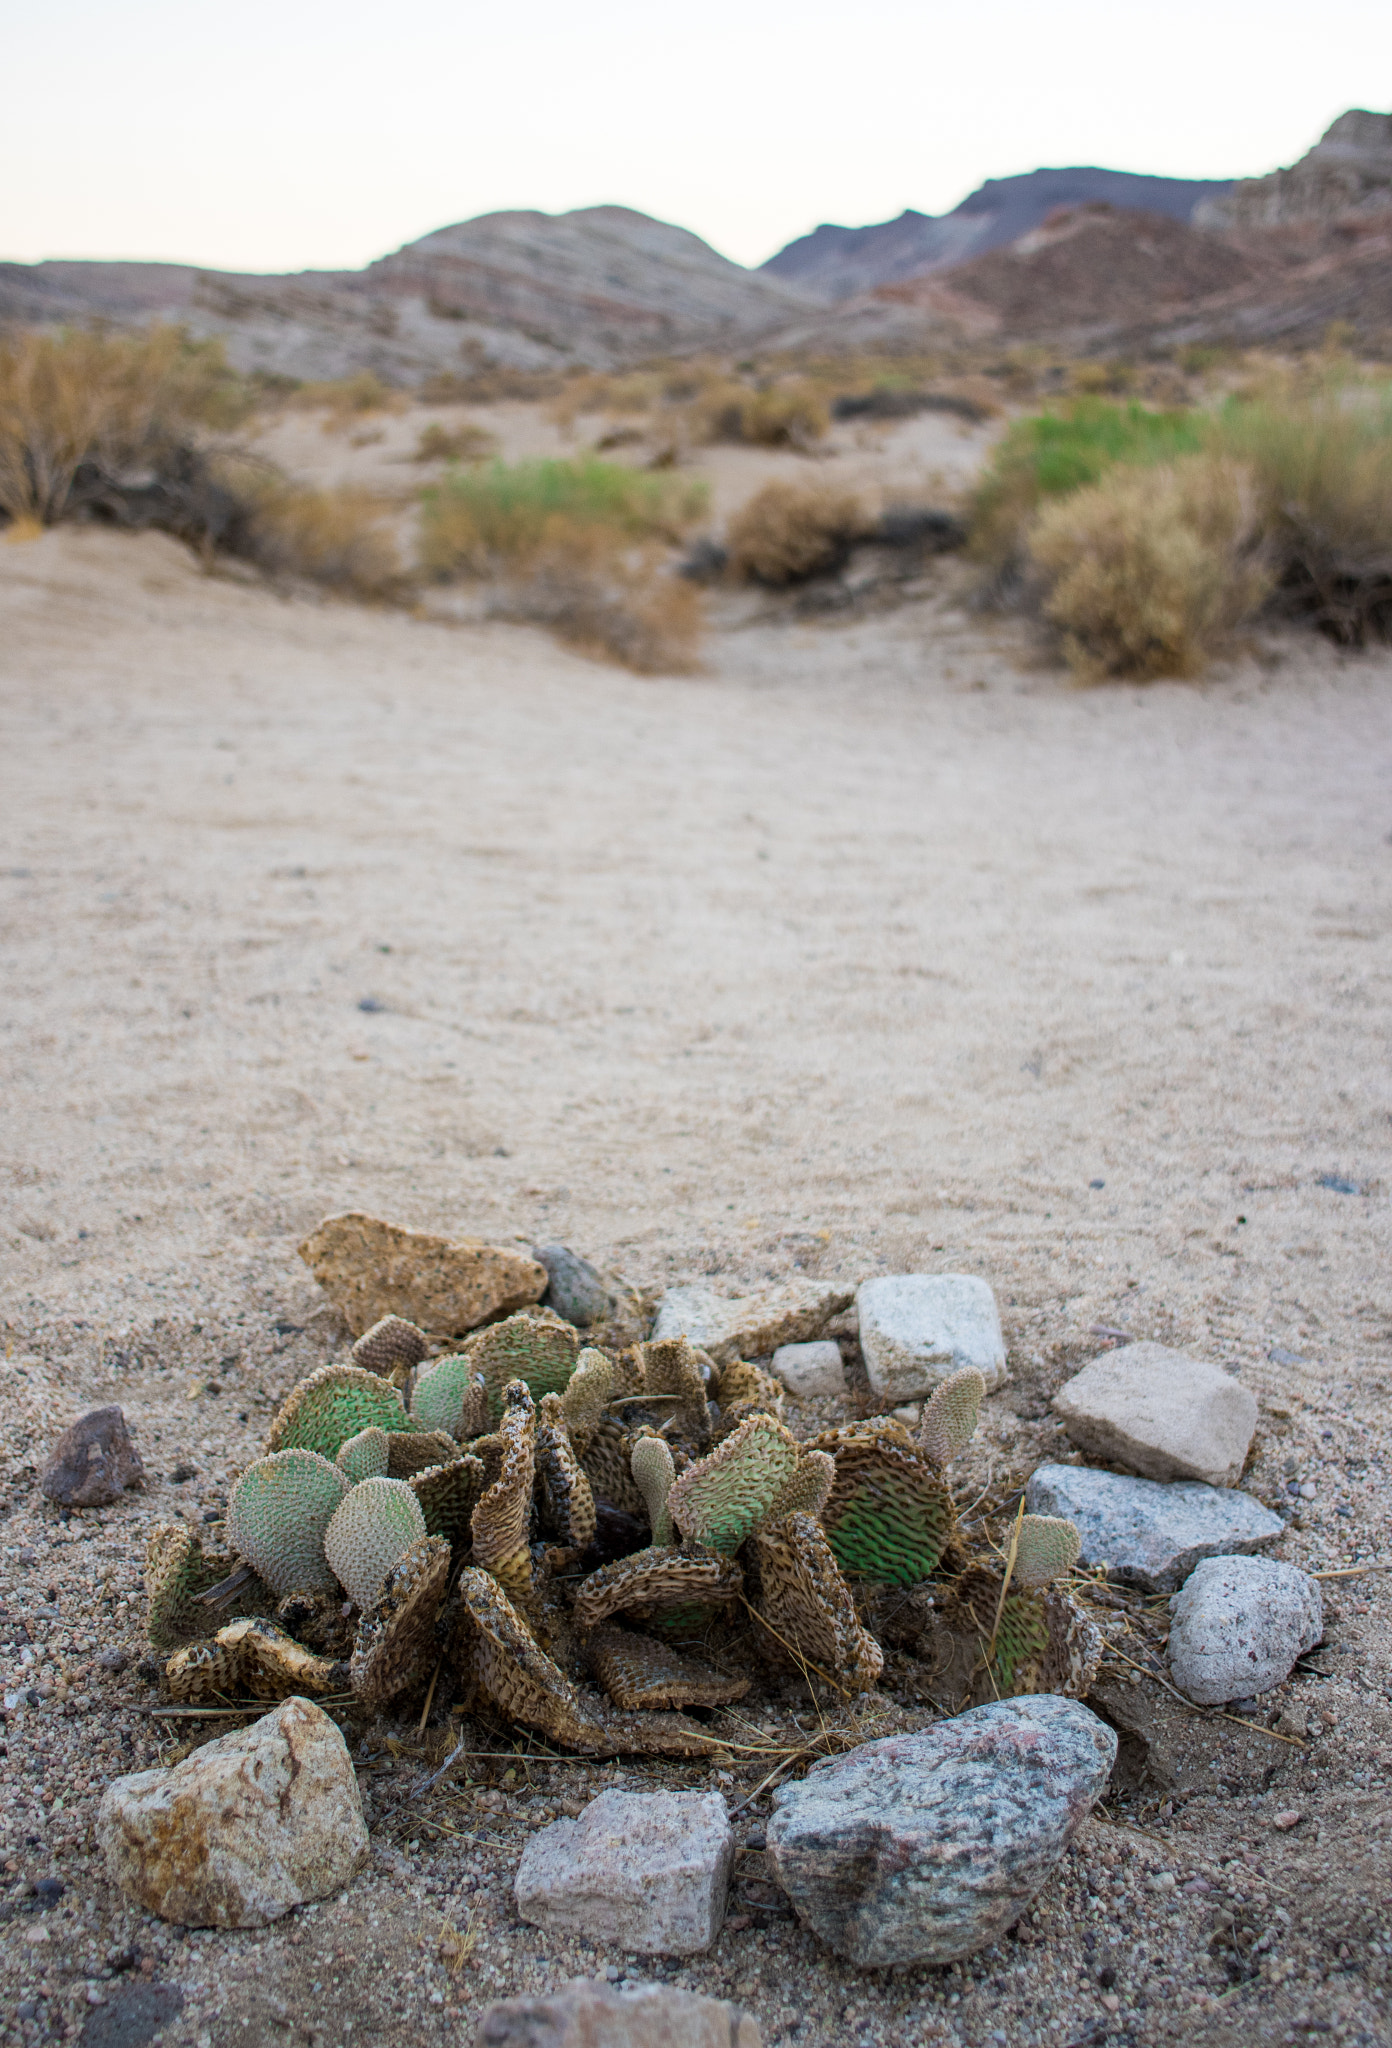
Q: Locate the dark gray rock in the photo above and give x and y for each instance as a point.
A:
(1148, 1534)
(576, 1290)
(923, 1848)
(1239, 1625)
(93, 1462)
(132, 2016)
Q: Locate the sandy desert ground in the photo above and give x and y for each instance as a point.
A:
(877, 946)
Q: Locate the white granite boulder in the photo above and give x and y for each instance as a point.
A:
(649, 1871)
(751, 1325)
(245, 1828)
(918, 1328)
(810, 1372)
(1147, 1534)
(1161, 1413)
(1238, 1624)
(923, 1848)
(589, 2014)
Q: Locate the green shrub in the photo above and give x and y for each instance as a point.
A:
(478, 519)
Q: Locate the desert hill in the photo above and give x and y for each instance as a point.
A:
(837, 263)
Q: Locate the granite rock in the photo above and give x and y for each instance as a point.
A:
(93, 1462)
(924, 1848)
(918, 1328)
(752, 1325)
(1239, 1623)
(247, 1827)
(370, 1269)
(589, 2014)
(1161, 1413)
(1147, 1534)
(649, 1871)
(810, 1371)
(575, 1289)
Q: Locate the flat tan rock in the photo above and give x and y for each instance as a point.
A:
(1160, 1413)
(588, 2014)
(370, 1269)
(751, 1325)
(244, 1829)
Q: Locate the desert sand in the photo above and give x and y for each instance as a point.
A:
(876, 946)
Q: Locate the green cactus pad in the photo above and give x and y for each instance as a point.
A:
(1048, 1546)
(451, 1395)
(950, 1418)
(176, 1572)
(277, 1514)
(653, 1474)
(889, 1515)
(587, 1390)
(337, 1402)
(539, 1352)
(722, 1498)
(371, 1528)
(364, 1456)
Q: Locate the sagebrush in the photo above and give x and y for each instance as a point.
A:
(788, 532)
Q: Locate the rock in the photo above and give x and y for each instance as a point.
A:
(371, 1269)
(752, 1325)
(1239, 1623)
(589, 2014)
(1146, 1534)
(1160, 1412)
(93, 1462)
(648, 1871)
(810, 1371)
(575, 1288)
(917, 1328)
(245, 1828)
(131, 2014)
(923, 1848)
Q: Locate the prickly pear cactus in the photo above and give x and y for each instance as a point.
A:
(1047, 1547)
(176, 1572)
(374, 1525)
(722, 1498)
(277, 1514)
(333, 1404)
(391, 1348)
(502, 1519)
(653, 1475)
(671, 1371)
(587, 1390)
(563, 1492)
(639, 1673)
(396, 1649)
(807, 1608)
(448, 1495)
(949, 1419)
(251, 1658)
(451, 1395)
(809, 1489)
(889, 1515)
(652, 1580)
(541, 1352)
(416, 1450)
(364, 1456)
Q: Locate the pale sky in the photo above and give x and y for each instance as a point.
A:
(286, 134)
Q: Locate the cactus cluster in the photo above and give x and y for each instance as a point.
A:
(592, 1541)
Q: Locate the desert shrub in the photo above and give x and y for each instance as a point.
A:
(341, 538)
(79, 411)
(466, 443)
(344, 401)
(610, 599)
(478, 519)
(1322, 469)
(1053, 453)
(1147, 569)
(788, 532)
(784, 415)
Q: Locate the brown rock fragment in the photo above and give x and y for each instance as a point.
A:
(371, 1269)
(93, 1462)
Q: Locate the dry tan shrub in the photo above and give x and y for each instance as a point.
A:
(341, 538)
(464, 443)
(346, 400)
(793, 414)
(788, 532)
(1149, 568)
(606, 596)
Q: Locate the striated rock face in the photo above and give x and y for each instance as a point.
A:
(923, 1848)
(242, 1830)
(1239, 1625)
(753, 1325)
(1349, 170)
(649, 1870)
(93, 1462)
(587, 2014)
(1146, 1534)
(1163, 1413)
(371, 1269)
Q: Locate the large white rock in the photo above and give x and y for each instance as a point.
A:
(589, 2014)
(242, 1830)
(1239, 1623)
(1147, 1534)
(751, 1325)
(810, 1372)
(649, 1871)
(918, 1328)
(923, 1848)
(1160, 1412)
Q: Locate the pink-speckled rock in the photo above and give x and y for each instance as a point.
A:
(923, 1848)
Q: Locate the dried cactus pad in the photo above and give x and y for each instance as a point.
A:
(540, 1353)
(176, 1572)
(501, 1521)
(653, 1474)
(638, 1673)
(448, 1495)
(809, 1489)
(390, 1348)
(807, 1605)
(1043, 1643)
(722, 1498)
(563, 1491)
(251, 1657)
(396, 1647)
(950, 1418)
(371, 1528)
(655, 1579)
(516, 1672)
(338, 1401)
(364, 1456)
(277, 1514)
(451, 1395)
(416, 1450)
(1048, 1546)
(587, 1390)
(889, 1514)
